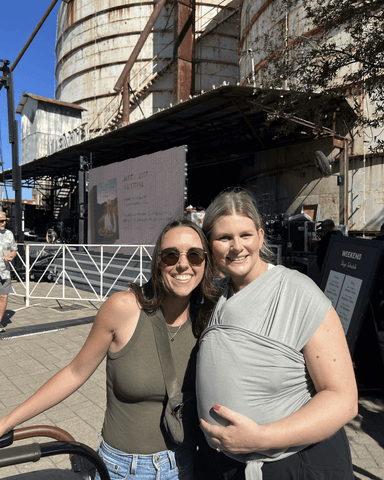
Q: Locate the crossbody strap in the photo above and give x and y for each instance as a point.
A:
(166, 361)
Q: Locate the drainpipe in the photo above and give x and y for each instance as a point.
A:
(344, 184)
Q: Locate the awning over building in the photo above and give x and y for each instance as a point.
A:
(225, 124)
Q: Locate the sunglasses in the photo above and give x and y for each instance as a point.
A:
(170, 256)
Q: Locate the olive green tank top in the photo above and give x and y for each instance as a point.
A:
(136, 393)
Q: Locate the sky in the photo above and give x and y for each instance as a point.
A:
(35, 72)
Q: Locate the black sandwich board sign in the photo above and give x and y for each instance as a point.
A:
(350, 269)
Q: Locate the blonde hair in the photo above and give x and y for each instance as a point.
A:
(237, 201)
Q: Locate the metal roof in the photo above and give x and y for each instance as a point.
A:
(27, 95)
(223, 124)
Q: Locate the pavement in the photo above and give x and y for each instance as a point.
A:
(44, 337)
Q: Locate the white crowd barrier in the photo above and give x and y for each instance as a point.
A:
(78, 272)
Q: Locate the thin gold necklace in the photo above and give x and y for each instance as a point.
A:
(172, 336)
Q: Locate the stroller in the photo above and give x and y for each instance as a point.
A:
(84, 461)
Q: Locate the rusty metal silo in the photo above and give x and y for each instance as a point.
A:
(95, 38)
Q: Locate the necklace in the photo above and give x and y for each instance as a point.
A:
(172, 336)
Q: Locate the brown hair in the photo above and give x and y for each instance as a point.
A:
(151, 296)
(236, 201)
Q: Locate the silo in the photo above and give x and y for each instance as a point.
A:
(266, 27)
(96, 37)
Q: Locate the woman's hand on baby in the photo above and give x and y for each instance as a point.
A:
(241, 435)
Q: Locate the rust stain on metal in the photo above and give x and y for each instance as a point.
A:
(95, 39)
(183, 28)
(70, 12)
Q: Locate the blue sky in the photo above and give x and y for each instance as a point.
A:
(35, 72)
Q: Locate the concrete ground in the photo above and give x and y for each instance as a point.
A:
(43, 338)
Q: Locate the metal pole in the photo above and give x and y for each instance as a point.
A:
(82, 198)
(346, 182)
(126, 105)
(14, 141)
(343, 195)
(64, 279)
(183, 41)
(102, 272)
(29, 41)
(27, 268)
(13, 128)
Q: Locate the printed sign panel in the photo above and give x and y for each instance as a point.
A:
(350, 271)
(131, 201)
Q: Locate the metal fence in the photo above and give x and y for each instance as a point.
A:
(81, 272)
(78, 272)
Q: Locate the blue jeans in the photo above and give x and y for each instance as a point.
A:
(166, 465)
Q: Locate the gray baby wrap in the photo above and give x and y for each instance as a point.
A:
(250, 356)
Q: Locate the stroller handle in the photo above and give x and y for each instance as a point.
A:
(33, 452)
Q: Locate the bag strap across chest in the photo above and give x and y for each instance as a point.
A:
(165, 356)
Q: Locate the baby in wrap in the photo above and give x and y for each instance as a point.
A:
(250, 357)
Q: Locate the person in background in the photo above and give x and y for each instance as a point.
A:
(274, 377)
(8, 251)
(134, 443)
(195, 214)
(328, 229)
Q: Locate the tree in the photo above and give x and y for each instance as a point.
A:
(333, 46)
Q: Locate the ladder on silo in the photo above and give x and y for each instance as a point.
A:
(114, 121)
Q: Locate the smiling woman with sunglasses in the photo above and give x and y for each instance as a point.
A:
(179, 296)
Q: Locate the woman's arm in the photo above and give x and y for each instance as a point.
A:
(335, 403)
(116, 318)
